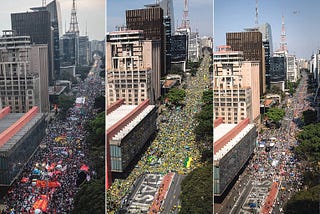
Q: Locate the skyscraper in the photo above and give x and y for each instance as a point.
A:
(250, 43)
(55, 18)
(150, 20)
(265, 29)
(37, 25)
(84, 50)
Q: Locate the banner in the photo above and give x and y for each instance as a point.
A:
(50, 184)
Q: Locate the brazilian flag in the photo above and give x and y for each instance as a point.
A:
(187, 162)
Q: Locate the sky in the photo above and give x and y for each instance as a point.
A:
(90, 12)
(200, 13)
(301, 22)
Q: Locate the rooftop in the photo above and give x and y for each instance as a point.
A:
(121, 112)
(222, 130)
(8, 121)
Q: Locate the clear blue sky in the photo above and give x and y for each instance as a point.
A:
(200, 13)
(301, 21)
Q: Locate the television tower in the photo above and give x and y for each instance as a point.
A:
(74, 27)
(256, 17)
(283, 39)
(185, 20)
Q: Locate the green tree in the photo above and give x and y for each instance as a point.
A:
(100, 103)
(309, 116)
(91, 196)
(275, 114)
(83, 71)
(204, 129)
(65, 102)
(176, 96)
(306, 201)
(309, 144)
(197, 191)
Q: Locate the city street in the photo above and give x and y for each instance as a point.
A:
(172, 140)
(275, 171)
(62, 155)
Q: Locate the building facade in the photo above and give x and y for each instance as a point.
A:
(133, 67)
(150, 20)
(84, 50)
(236, 86)
(56, 22)
(23, 73)
(234, 144)
(265, 29)
(37, 25)
(16, 151)
(179, 48)
(250, 43)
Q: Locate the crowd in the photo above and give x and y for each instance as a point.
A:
(175, 140)
(51, 178)
(279, 164)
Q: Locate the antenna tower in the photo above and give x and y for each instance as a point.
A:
(74, 28)
(185, 19)
(257, 13)
(44, 3)
(283, 39)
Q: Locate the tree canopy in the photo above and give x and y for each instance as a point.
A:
(204, 129)
(197, 191)
(306, 201)
(176, 96)
(91, 196)
(65, 102)
(275, 114)
(309, 143)
(309, 116)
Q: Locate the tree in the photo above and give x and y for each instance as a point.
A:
(204, 128)
(91, 196)
(197, 191)
(309, 116)
(306, 201)
(275, 114)
(100, 103)
(65, 102)
(176, 96)
(309, 144)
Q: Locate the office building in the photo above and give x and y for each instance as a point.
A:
(194, 47)
(265, 29)
(150, 20)
(23, 73)
(233, 146)
(292, 68)
(84, 50)
(129, 127)
(56, 23)
(278, 71)
(179, 47)
(133, 67)
(236, 86)
(250, 43)
(69, 44)
(37, 25)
